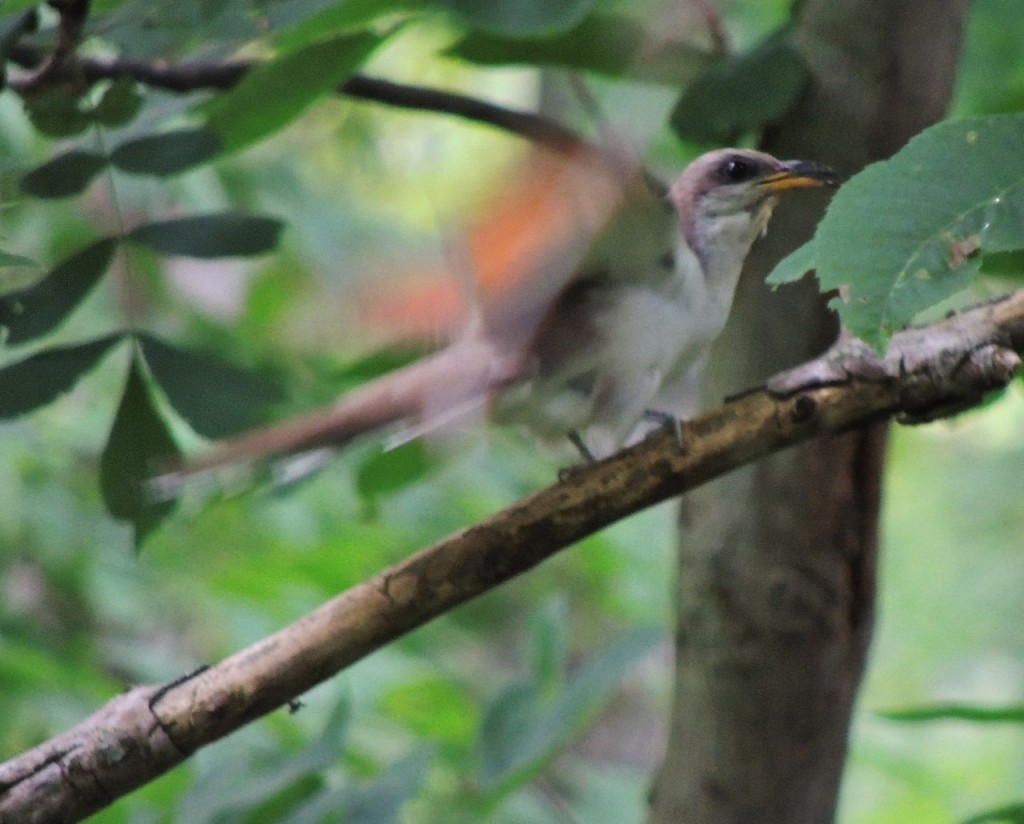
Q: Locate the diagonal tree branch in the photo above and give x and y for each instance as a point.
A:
(149, 729)
(209, 76)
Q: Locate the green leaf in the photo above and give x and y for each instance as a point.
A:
(56, 114)
(519, 18)
(10, 259)
(168, 153)
(34, 311)
(905, 234)
(511, 738)
(41, 378)
(740, 94)
(1013, 714)
(67, 174)
(550, 642)
(1003, 264)
(526, 726)
(275, 93)
(139, 440)
(432, 708)
(605, 43)
(381, 801)
(340, 17)
(1010, 814)
(215, 397)
(224, 234)
(119, 104)
(266, 784)
(793, 266)
(389, 470)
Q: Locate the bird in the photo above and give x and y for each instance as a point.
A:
(612, 319)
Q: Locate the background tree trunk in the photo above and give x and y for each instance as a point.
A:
(777, 561)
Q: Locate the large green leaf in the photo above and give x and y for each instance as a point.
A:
(224, 234)
(139, 440)
(605, 43)
(216, 398)
(519, 18)
(34, 311)
(793, 266)
(168, 153)
(43, 377)
(907, 233)
(272, 95)
(65, 175)
(740, 94)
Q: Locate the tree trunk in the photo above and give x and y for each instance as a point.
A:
(777, 561)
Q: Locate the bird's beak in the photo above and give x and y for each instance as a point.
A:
(799, 174)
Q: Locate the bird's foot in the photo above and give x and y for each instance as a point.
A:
(667, 421)
(577, 441)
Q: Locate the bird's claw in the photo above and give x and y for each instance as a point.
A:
(669, 422)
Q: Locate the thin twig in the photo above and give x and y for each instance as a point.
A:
(206, 76)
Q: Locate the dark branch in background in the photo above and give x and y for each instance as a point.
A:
(73, 14)
(150, 729)
(202, 76)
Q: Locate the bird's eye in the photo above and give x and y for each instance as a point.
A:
(736, 170)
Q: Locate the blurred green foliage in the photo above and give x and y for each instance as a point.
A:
(542, 701)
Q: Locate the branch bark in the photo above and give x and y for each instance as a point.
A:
(149, 729)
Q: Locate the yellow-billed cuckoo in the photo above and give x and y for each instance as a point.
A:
(597, 333)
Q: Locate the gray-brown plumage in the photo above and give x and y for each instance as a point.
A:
(588, 343)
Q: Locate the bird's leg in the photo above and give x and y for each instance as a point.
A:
(670, 422)
(581, 446)
(576, 440)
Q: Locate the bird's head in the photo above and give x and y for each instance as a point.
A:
(727, 196)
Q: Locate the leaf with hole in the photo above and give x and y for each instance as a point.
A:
(139, 441)
(168, 153)
(37, 309)
(223, 234)
(215, 397)
(43, 377)
(907, 233)
(65, 175)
